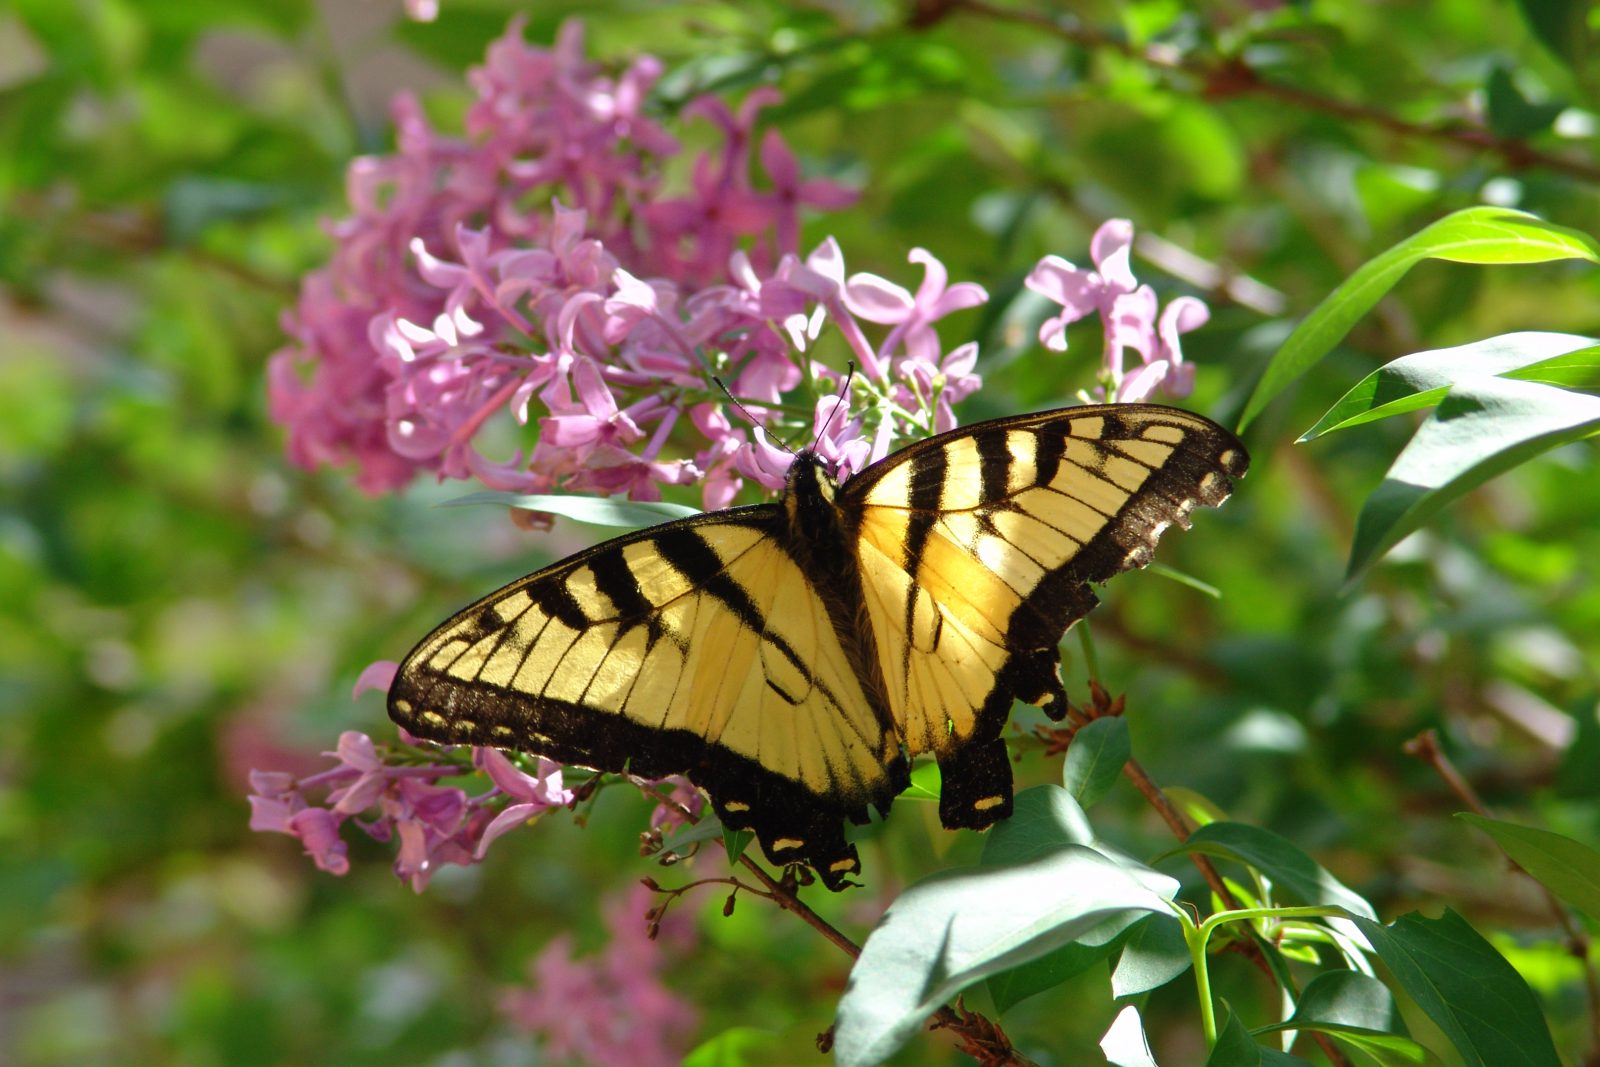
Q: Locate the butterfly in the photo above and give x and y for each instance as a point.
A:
(791, 658)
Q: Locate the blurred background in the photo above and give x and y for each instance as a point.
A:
(179, 603)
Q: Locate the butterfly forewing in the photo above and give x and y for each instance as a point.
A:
(694, 647)
(977, 548)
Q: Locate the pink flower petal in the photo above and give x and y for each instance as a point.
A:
(378, 675)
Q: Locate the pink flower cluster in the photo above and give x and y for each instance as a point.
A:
(434, 824)
(537, 269)
(610, 1010)
(1127, 314)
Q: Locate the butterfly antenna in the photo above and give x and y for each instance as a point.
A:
(844, 391)
(751, 419)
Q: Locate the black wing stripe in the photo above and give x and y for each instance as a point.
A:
(692, 557)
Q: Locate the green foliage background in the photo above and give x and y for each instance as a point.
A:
(177, 604)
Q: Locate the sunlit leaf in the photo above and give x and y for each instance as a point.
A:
(1422, 379)
(594, 510)
(1124, 1043)
(1482, 235)
(1482, 428)
(944, 933)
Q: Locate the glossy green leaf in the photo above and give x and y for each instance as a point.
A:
(945, 933)
(1095, 759)
(1422, 379)
(1295, 875)
(1480, 1002)
(594, 510)
(1568, 868)
(1155, 954)
(1482, 235)
(1124, 1043)
(1482, 428)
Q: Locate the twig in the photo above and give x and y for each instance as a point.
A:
(1425, 747)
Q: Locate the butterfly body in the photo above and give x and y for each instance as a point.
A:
(790, 658)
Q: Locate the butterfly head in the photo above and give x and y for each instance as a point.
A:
(809, 477)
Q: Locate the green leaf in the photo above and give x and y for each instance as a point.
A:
(1569, 869)
(594, 510)
(1124, 1043)
(1095, 759)
(1511, 114)
(1154, 955)
(741, 1046)
(1562, 25)
(1342, 999)
(1235, 1047)
(1043, 818)
(1358, 1010)
(1422, 379)
(1294, 873)
(1204, 588)
(735, 842)
(1575, 777)
(926, 783)
(1481, 428)
(1010, 988)
(945, 933)
(1481, 235)
(1467, 988)
(708, 828)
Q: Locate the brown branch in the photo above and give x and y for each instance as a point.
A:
(1230, 76)
(1425, 747)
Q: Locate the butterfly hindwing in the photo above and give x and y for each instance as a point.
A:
(977, 549)
(695, 647)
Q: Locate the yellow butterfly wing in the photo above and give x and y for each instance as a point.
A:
(976, 550)
(697, 647)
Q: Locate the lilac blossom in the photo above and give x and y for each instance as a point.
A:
(612, 1009)
(1128, 315)
(433, 824)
